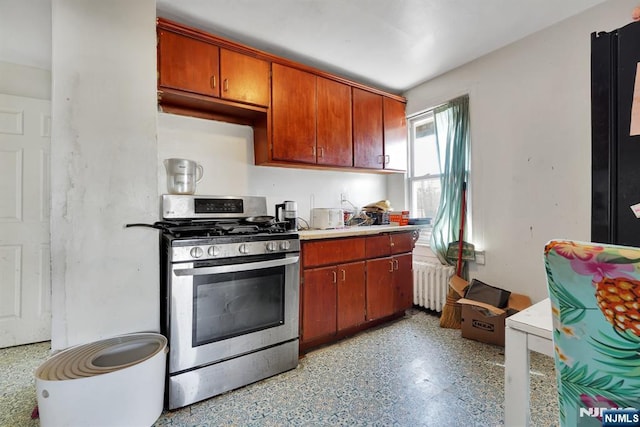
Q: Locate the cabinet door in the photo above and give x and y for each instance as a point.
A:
(319, 303)
(244, 78)
(380, 291)
(395, 135)
(334, 137)
(403, 282)
(293, 109)
(367, 130)
(187, 64)
(351, 295)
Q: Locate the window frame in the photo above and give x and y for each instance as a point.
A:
(415, 121)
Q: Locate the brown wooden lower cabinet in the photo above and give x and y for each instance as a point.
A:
(333, 299)
(389, 285)
(351, 295)
(319, 303)
(403, 282)
(380, 292)
(338, 299)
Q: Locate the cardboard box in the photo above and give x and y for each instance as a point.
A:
(399, 218)
(485, 322)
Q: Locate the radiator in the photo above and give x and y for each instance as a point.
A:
(431, 284)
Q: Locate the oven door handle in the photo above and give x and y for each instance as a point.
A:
(236, 267)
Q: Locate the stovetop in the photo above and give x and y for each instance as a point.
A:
(198, 228)
(204, 229)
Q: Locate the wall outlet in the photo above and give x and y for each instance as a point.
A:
(480, 257)
(343, 197)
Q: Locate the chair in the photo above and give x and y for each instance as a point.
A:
(595, 301)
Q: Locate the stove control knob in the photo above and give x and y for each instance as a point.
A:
(243, 248)
(285, 245)
(196, 252)
(213, 251)
(272, 246)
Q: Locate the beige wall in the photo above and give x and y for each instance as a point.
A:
(531, 142)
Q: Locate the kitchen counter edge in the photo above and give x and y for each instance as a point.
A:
(355, 231)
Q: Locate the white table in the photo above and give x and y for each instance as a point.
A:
(529, 329)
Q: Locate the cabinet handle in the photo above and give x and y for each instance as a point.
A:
(335, 277)
(387, 159)
(212, 82)
(225, 85)
(391, 266)
(395, 264)
(313, 150)
(321, 149)
(344, 275)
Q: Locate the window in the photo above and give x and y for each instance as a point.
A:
(424, 170)
(439, 147)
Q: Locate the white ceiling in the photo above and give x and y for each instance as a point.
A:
(392, 44)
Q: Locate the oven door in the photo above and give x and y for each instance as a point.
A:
(222, 311)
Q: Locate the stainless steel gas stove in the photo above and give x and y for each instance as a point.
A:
(230, 291)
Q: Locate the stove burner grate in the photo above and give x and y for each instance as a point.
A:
(213, 229)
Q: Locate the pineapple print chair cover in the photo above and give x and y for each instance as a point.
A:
(595, 301)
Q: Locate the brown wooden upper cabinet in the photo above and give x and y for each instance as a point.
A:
(395, 135)
(334, 137)
(293, 113)
(244, 78)
(187, 64)
(311, 118)
(301, 116)
(368, 144)
(196, 66)
(379, 132)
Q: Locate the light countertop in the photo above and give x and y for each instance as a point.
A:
(354, 231)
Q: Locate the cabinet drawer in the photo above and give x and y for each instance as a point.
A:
(325, 252)
(401, 242)
(378, 246)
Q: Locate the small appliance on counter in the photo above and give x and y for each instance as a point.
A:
(327, 218)
(290, 216)
(182, 175)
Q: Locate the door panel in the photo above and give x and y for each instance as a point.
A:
(367, 130)
(351, 295)
(319, 302)
(294, 114)
(244, 78)
(334, 140)
(395, 135)
(188, 64)
(25, 285)
(380, 291)
(403, 280)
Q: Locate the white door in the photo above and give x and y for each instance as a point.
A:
(25, 280)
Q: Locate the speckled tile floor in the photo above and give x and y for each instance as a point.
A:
(409, 372)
